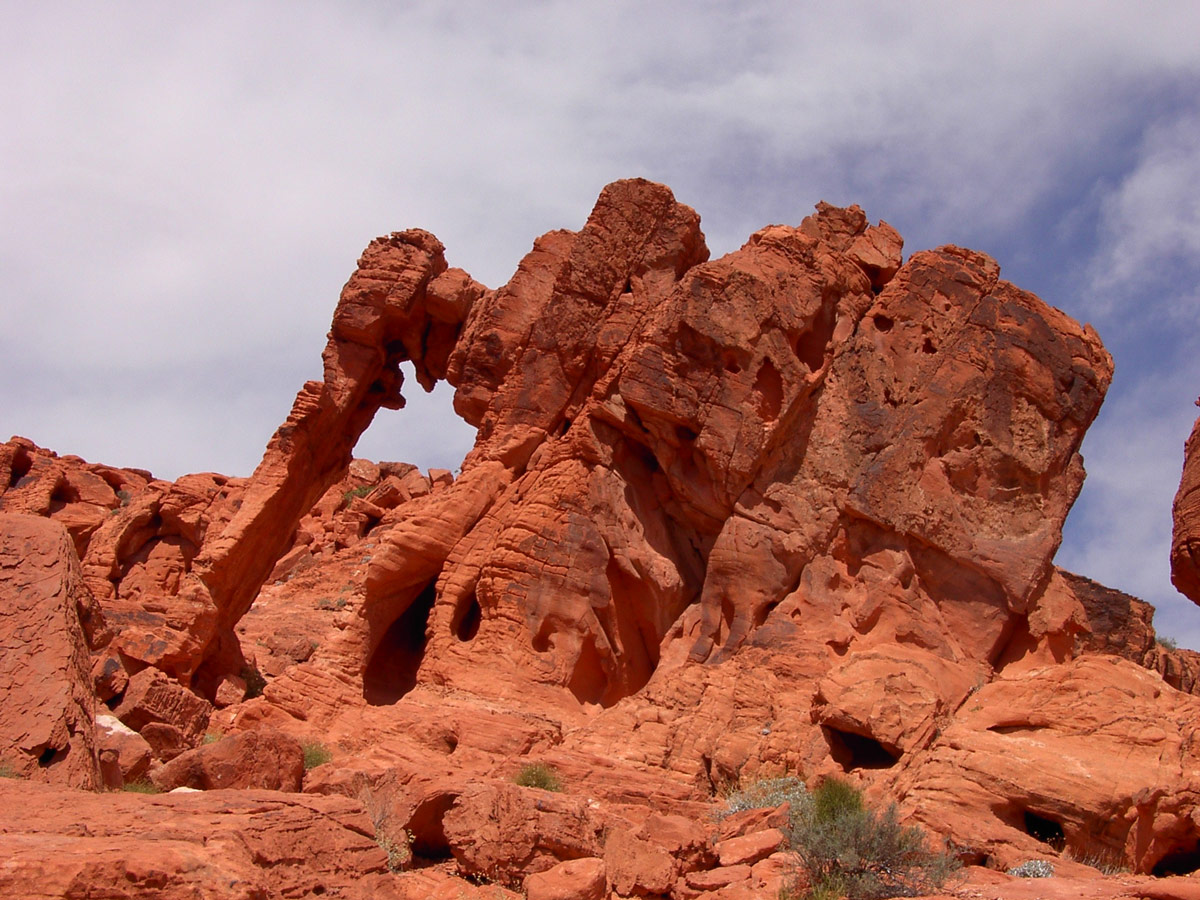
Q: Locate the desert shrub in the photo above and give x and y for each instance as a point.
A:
(8, 770)
(1034, 868)
(315, 754)
(761, 793)
(361, 491)
(848, 850)
(255, 682)
(1107, 862)
(539, 775)
(1166, 643)
(141, 786)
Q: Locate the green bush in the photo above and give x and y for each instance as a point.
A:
(8, 770)
(539, 775)
(361, 491)
(848, 850)
(1167, 643)
(315, 754)
(141, 786)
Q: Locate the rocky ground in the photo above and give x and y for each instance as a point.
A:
(791, 512)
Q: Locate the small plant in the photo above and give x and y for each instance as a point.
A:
(1107, 862)
(396, 843)
(255, 683)
(8, 770)
(762, 793)
(1034, 868)
(211, 737)
(141, 786)
(539, 775)
(315, 754)
(361, 491)
(124, 497)
(399, 851)
(849, 850)
(1167, 643)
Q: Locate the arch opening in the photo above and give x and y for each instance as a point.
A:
(428, 433)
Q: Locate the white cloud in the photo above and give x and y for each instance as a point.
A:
(1150, 224)
(187, 188)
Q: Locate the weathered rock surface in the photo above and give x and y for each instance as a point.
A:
(790, 510)
(222, 844)
(47, 713)
(1096, 757)
(262, 759)
(1185, 539)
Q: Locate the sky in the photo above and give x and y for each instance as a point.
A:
(185, 188)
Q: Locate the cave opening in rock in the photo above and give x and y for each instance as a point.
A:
(22, 462)
(467, 616)
(1181, 861)
(429, 840)
(392, 670)
(855, 751)
(1045, 830)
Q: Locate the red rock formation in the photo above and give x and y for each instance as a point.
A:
(263, 759)
(793, 509)
(224, 845)
(1185, 539)
(46, 718)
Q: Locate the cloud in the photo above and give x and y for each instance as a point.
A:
(1150, 226)
(186, 189)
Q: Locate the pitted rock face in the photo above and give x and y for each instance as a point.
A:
(1185, 543)
(677, 451)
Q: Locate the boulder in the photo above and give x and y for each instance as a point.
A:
(263, 758)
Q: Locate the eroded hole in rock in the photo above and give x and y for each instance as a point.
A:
(810, 346)
(429, 836)
(882, 323)
(768, 385)
(1015, 729)
(1045, 830)
(393, 437)
(64, 493)
(50, 756)
(588, 681)
(21, 464)
(467, 617)
(392, 670)
(928, 346)
(854, 751)
(1178, 862)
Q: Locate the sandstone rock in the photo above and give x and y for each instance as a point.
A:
(750, 848)
(637, 866)
(222, 844)
(125, 756)
(507, 832)
(575, 879)
(263, 759)
(163, 711)
(1185, 537)
(789, 510)
(46, 719)
(1027, 768)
